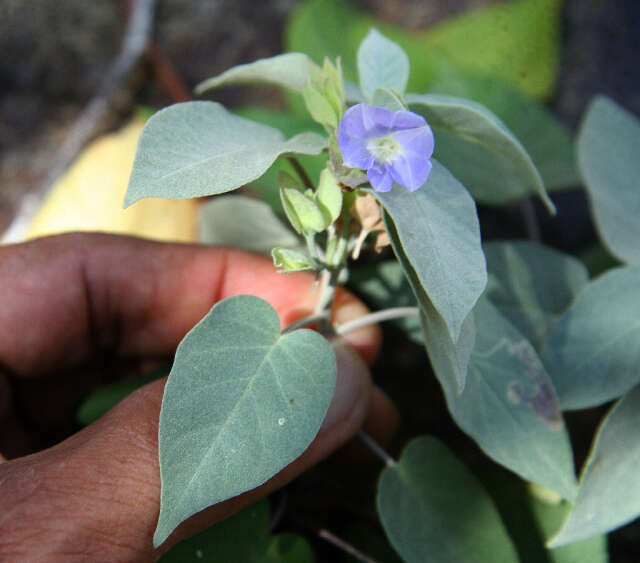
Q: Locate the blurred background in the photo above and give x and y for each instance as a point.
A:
(54, 57)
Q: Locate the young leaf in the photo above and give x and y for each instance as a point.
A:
(532, 285)
(435, 511)
(319, 106)
(608, 149)
(291, 260)
(196, 149)
(243, 222)
(328, 197)
(593, 352)
(490, 149)
(381, 64)
(437, 227)
(242, 401)
(289, 70)
(609, 493)
(303, 213)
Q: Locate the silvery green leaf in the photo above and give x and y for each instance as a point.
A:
(437, 227)
(352, 93)
(242, 402)
(435, 511)
(532, 285)
(474, 144)
(197, 149)
(608, 149)
(593, 352)
(289, 70)
(381, 64)
(609, 492)
(508, 405)
(546, 139)
(388, 98)
(243, 222)
(448, 359)
(496, 388)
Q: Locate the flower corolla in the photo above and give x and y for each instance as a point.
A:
(389, 145)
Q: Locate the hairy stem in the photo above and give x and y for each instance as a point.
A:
(377, 317)
(376, 448)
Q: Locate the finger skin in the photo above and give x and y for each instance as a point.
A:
(67, 297)
(95, 496)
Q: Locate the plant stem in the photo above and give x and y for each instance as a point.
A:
(377, 317)
(300, 171)
(311, 245)
(346, 547)
(305, 321)
(376, 448)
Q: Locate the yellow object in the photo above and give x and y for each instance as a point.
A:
(89, 197)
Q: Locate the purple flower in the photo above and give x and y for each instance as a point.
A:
(389, 145)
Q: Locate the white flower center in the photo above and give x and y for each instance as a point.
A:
(384, 148)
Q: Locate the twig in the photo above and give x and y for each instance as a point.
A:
(344, 546)
(135, 41)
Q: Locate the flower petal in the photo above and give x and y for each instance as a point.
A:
(380, 178)
(377, 121)
(418, 141)
(404, 119)
(411, 171)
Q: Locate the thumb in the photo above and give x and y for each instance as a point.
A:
(96, 496)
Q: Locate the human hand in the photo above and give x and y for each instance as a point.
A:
(72, 299)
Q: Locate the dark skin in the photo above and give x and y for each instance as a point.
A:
(70, 299)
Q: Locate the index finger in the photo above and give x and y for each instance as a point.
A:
(65, 298)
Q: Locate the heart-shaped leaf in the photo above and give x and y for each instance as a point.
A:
(242, 402)
(435, 511)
